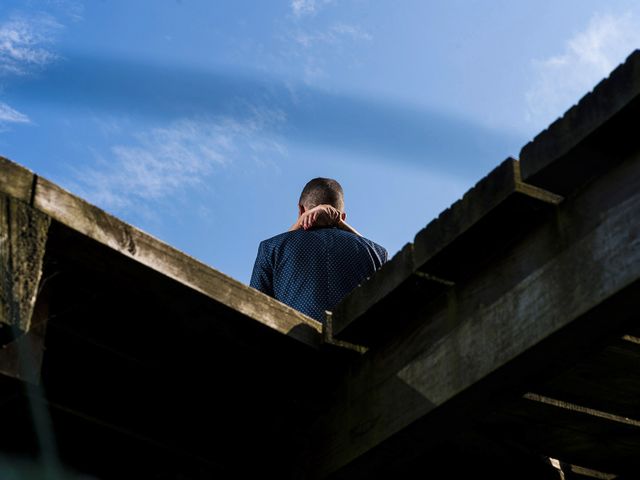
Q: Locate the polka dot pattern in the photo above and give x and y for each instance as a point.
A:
(313, 270)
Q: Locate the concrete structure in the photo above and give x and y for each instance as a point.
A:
(504, 341)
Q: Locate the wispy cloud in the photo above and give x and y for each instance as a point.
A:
(24, 48)
(302, 8)
(10, 115)
(318, 45)
(166, 161)
(24, 43)
(72, 9)
(561, 80)
(315, 49)
(334, 35)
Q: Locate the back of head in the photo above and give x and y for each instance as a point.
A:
(321, 191)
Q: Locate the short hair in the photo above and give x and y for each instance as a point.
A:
(322, 191)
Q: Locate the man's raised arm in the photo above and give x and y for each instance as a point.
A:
(323, 216)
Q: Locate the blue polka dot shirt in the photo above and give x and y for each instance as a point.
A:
(312, 270)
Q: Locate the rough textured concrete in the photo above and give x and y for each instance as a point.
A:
(23, 234)
(590, 137)
(488, 217)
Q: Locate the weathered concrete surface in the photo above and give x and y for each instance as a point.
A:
(108, 230)
(489, 216)
(590, 137)
(64, 207)
(23, 234)
(500, 186)
(572, 263)
(15, 180)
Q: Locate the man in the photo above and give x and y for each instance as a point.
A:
(320, 259)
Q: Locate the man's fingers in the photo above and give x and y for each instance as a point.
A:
(308, 221)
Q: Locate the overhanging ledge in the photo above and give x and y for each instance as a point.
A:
(97, 225)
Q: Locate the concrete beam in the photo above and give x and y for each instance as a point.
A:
(590, 137)
(584, 255)
(23, 234)
(495, 212)
(92, 222)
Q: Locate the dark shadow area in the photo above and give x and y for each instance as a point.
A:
(145, 378)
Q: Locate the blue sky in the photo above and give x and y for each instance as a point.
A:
(200, 121)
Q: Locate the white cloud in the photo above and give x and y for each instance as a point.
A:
(24, 48)
(72, 9)
(24, 41)
(561, 80)
(334, 35)
(317, 46)
(352, 31)
(302, 8)
(166, 161)
(9, 115)
(309, 47)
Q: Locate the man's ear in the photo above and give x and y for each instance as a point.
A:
(301, 209)
(343, 216)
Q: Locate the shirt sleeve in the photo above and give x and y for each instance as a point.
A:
(382, 254)
(262, 276)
